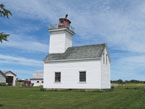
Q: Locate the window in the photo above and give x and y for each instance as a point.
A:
(37, 81)
(57, 76)
(106, 58)
(61, 22)
(103, 58)
(83, 76)
(42, 81)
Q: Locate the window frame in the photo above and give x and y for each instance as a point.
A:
(59, 78)
(80, 76)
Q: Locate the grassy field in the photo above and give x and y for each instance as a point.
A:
(33, 98)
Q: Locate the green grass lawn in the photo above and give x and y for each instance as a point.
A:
(33, 98)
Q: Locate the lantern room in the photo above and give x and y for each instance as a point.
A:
(64, 22)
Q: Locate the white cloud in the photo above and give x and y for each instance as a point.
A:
(128, 67)
(5, 59)
(18, 71)
(35, 9)
(17, 41)
(135, 59)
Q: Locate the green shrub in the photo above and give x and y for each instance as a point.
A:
(2, 84)
(42, 89)
(41, 86)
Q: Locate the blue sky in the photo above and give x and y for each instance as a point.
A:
(119, 23)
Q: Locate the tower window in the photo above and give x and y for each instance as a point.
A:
(103, 58)
(106, 58)
(83, 76)
(57, 76)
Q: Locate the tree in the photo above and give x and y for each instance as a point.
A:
(3, 36)
(119, 81)
(4, 12)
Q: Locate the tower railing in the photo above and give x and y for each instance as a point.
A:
(55, 26)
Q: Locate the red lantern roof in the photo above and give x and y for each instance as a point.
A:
(64, 22)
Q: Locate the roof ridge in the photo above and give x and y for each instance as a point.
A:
(88, 45)
(2, 73)
(75, 47)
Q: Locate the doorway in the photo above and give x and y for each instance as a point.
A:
(9, 80)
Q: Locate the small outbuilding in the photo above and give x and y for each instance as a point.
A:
(11, 78)
(8, 77)
(27, 83)
(37, 78)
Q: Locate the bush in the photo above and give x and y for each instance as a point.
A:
(2, 84)
(42, 89)
(41, 86)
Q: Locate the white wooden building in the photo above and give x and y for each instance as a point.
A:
(8, 77)
(37, 78)
(78, 67)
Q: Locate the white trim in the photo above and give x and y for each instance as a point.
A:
(61, 29)
(82, 59)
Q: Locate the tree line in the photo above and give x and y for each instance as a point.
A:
(127, 81)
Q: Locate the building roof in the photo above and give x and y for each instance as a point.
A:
(10, 72)
(78, 52)
(37, 75)
(3, 74)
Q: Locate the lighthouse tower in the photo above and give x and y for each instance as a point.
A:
(60, 36)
